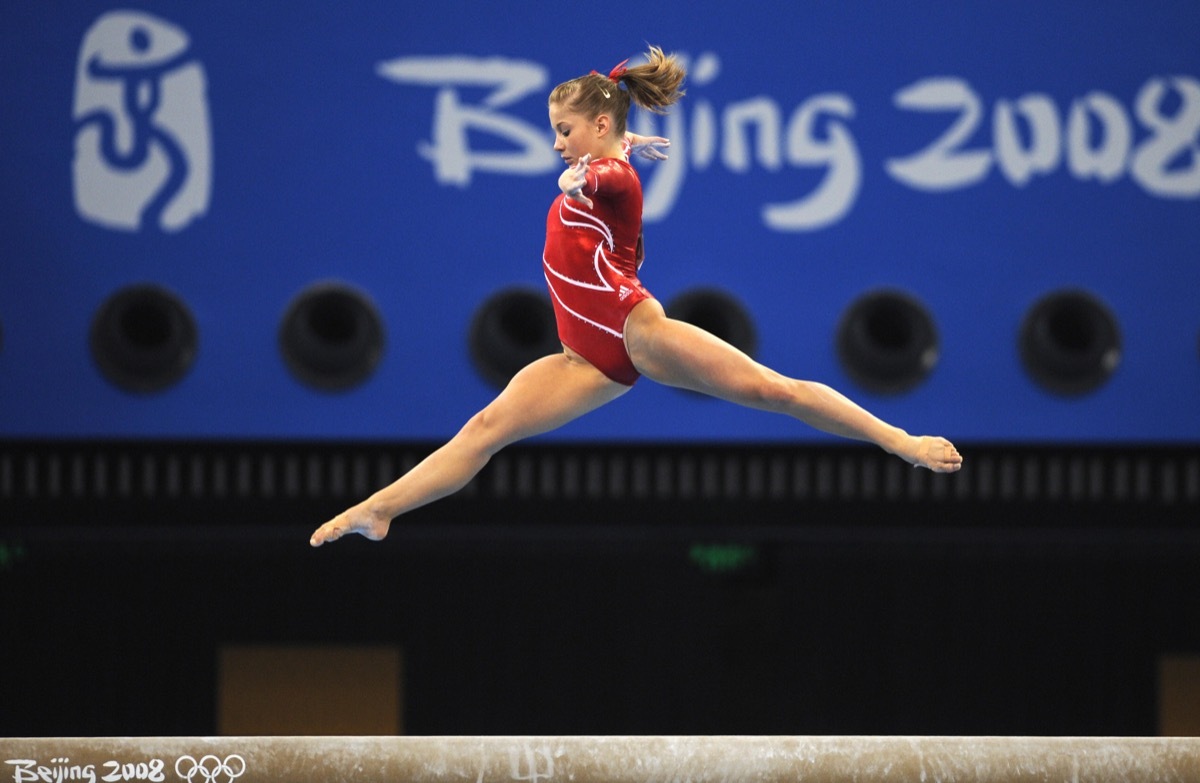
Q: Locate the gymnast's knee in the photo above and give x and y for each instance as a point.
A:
(484, 433)
(768, 390)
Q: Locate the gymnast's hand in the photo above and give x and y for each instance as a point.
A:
(357, 519)
(648, 147)
(574, 178)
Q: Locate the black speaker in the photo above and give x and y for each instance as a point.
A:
(143, 338)
(718, 313)
(331, 336)
(887, 342)
(512, 328)
(1070, 342)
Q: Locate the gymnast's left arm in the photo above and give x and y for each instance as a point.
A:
(648, 147)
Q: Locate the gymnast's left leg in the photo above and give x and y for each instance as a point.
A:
(546, 394)
(677, 353)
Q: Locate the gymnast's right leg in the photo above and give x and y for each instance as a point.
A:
(676, 353)
(543, 396)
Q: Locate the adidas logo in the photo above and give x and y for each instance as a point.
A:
(623, 292)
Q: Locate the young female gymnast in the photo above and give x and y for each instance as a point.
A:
(612, 330)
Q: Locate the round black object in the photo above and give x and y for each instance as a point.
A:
(510, 329)
(331, 337)
(887, 342)
(1070, 343)
(719, 314)
(143, 338)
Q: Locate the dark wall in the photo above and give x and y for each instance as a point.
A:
(930, 616)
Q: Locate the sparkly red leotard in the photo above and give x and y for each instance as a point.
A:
(591, 262)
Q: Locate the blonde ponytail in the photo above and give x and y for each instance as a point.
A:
(654, 85)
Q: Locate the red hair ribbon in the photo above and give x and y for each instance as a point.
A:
(615, 74)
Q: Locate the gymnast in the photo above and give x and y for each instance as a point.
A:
(612, 330)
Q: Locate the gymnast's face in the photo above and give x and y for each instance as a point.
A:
(575, 135)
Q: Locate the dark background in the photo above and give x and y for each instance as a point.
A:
(1033, 593)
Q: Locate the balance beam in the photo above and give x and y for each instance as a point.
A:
(602, 759)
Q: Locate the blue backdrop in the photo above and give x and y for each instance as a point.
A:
(975, 155)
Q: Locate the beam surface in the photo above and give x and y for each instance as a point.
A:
(602, 759)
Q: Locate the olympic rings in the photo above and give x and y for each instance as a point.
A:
(210, 769)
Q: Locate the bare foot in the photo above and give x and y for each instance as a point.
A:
(353, 520)
(937, 454)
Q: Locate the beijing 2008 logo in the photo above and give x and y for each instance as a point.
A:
(210, 769)
(206, 769)
(143, 154)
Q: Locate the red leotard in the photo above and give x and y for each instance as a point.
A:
(591, 263)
